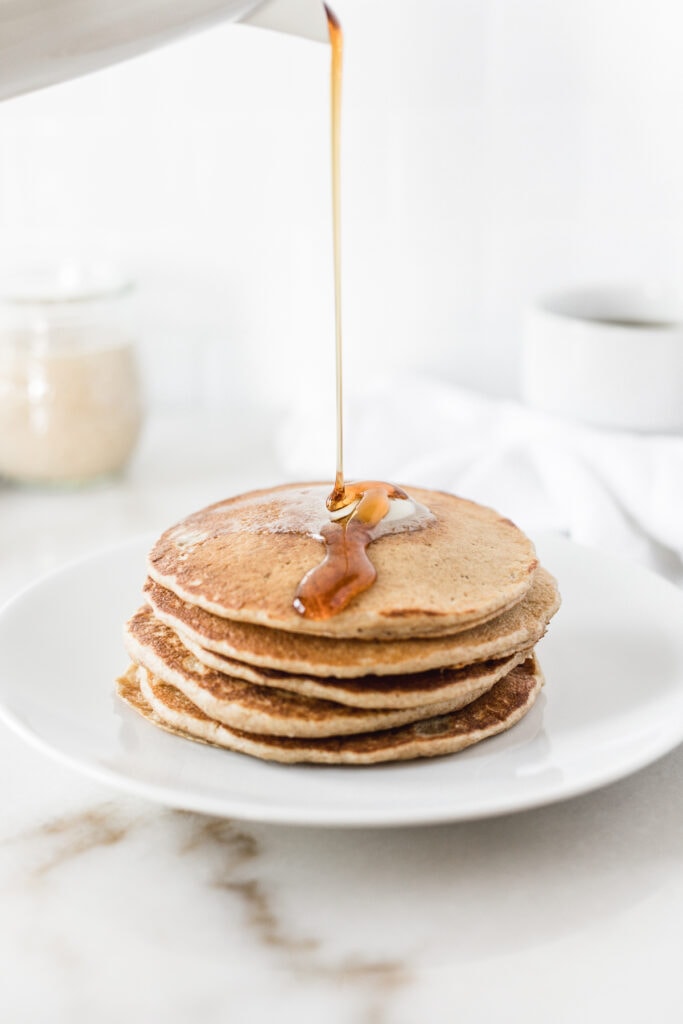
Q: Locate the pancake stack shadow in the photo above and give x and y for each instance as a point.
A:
(436, 656)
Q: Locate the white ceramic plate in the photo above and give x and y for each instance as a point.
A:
(613, 702)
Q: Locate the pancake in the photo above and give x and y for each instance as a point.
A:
(170, 656)
(499, 709)
(513, 631)
(400, 691)
(242, 559)
(266, 709)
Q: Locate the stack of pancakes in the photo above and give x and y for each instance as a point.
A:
(435, 656)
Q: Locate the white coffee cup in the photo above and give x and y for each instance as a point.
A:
(611, 356)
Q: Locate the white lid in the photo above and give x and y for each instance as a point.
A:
(69, 282)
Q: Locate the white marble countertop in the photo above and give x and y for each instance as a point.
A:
(114, 909)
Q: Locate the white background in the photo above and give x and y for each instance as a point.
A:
(492, 149)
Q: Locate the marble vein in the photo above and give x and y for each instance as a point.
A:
(71, 836)
(302, 956)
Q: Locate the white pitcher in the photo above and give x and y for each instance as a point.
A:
(47, 41)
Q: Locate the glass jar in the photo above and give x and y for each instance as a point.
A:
(70, 407)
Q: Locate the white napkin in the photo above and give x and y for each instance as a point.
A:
(608, 489)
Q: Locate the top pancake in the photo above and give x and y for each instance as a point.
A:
(242, 559)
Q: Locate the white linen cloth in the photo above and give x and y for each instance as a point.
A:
(609, 489)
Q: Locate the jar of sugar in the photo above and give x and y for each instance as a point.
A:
(70, 406)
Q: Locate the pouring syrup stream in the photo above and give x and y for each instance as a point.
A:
(336, 498)
(346, 570)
